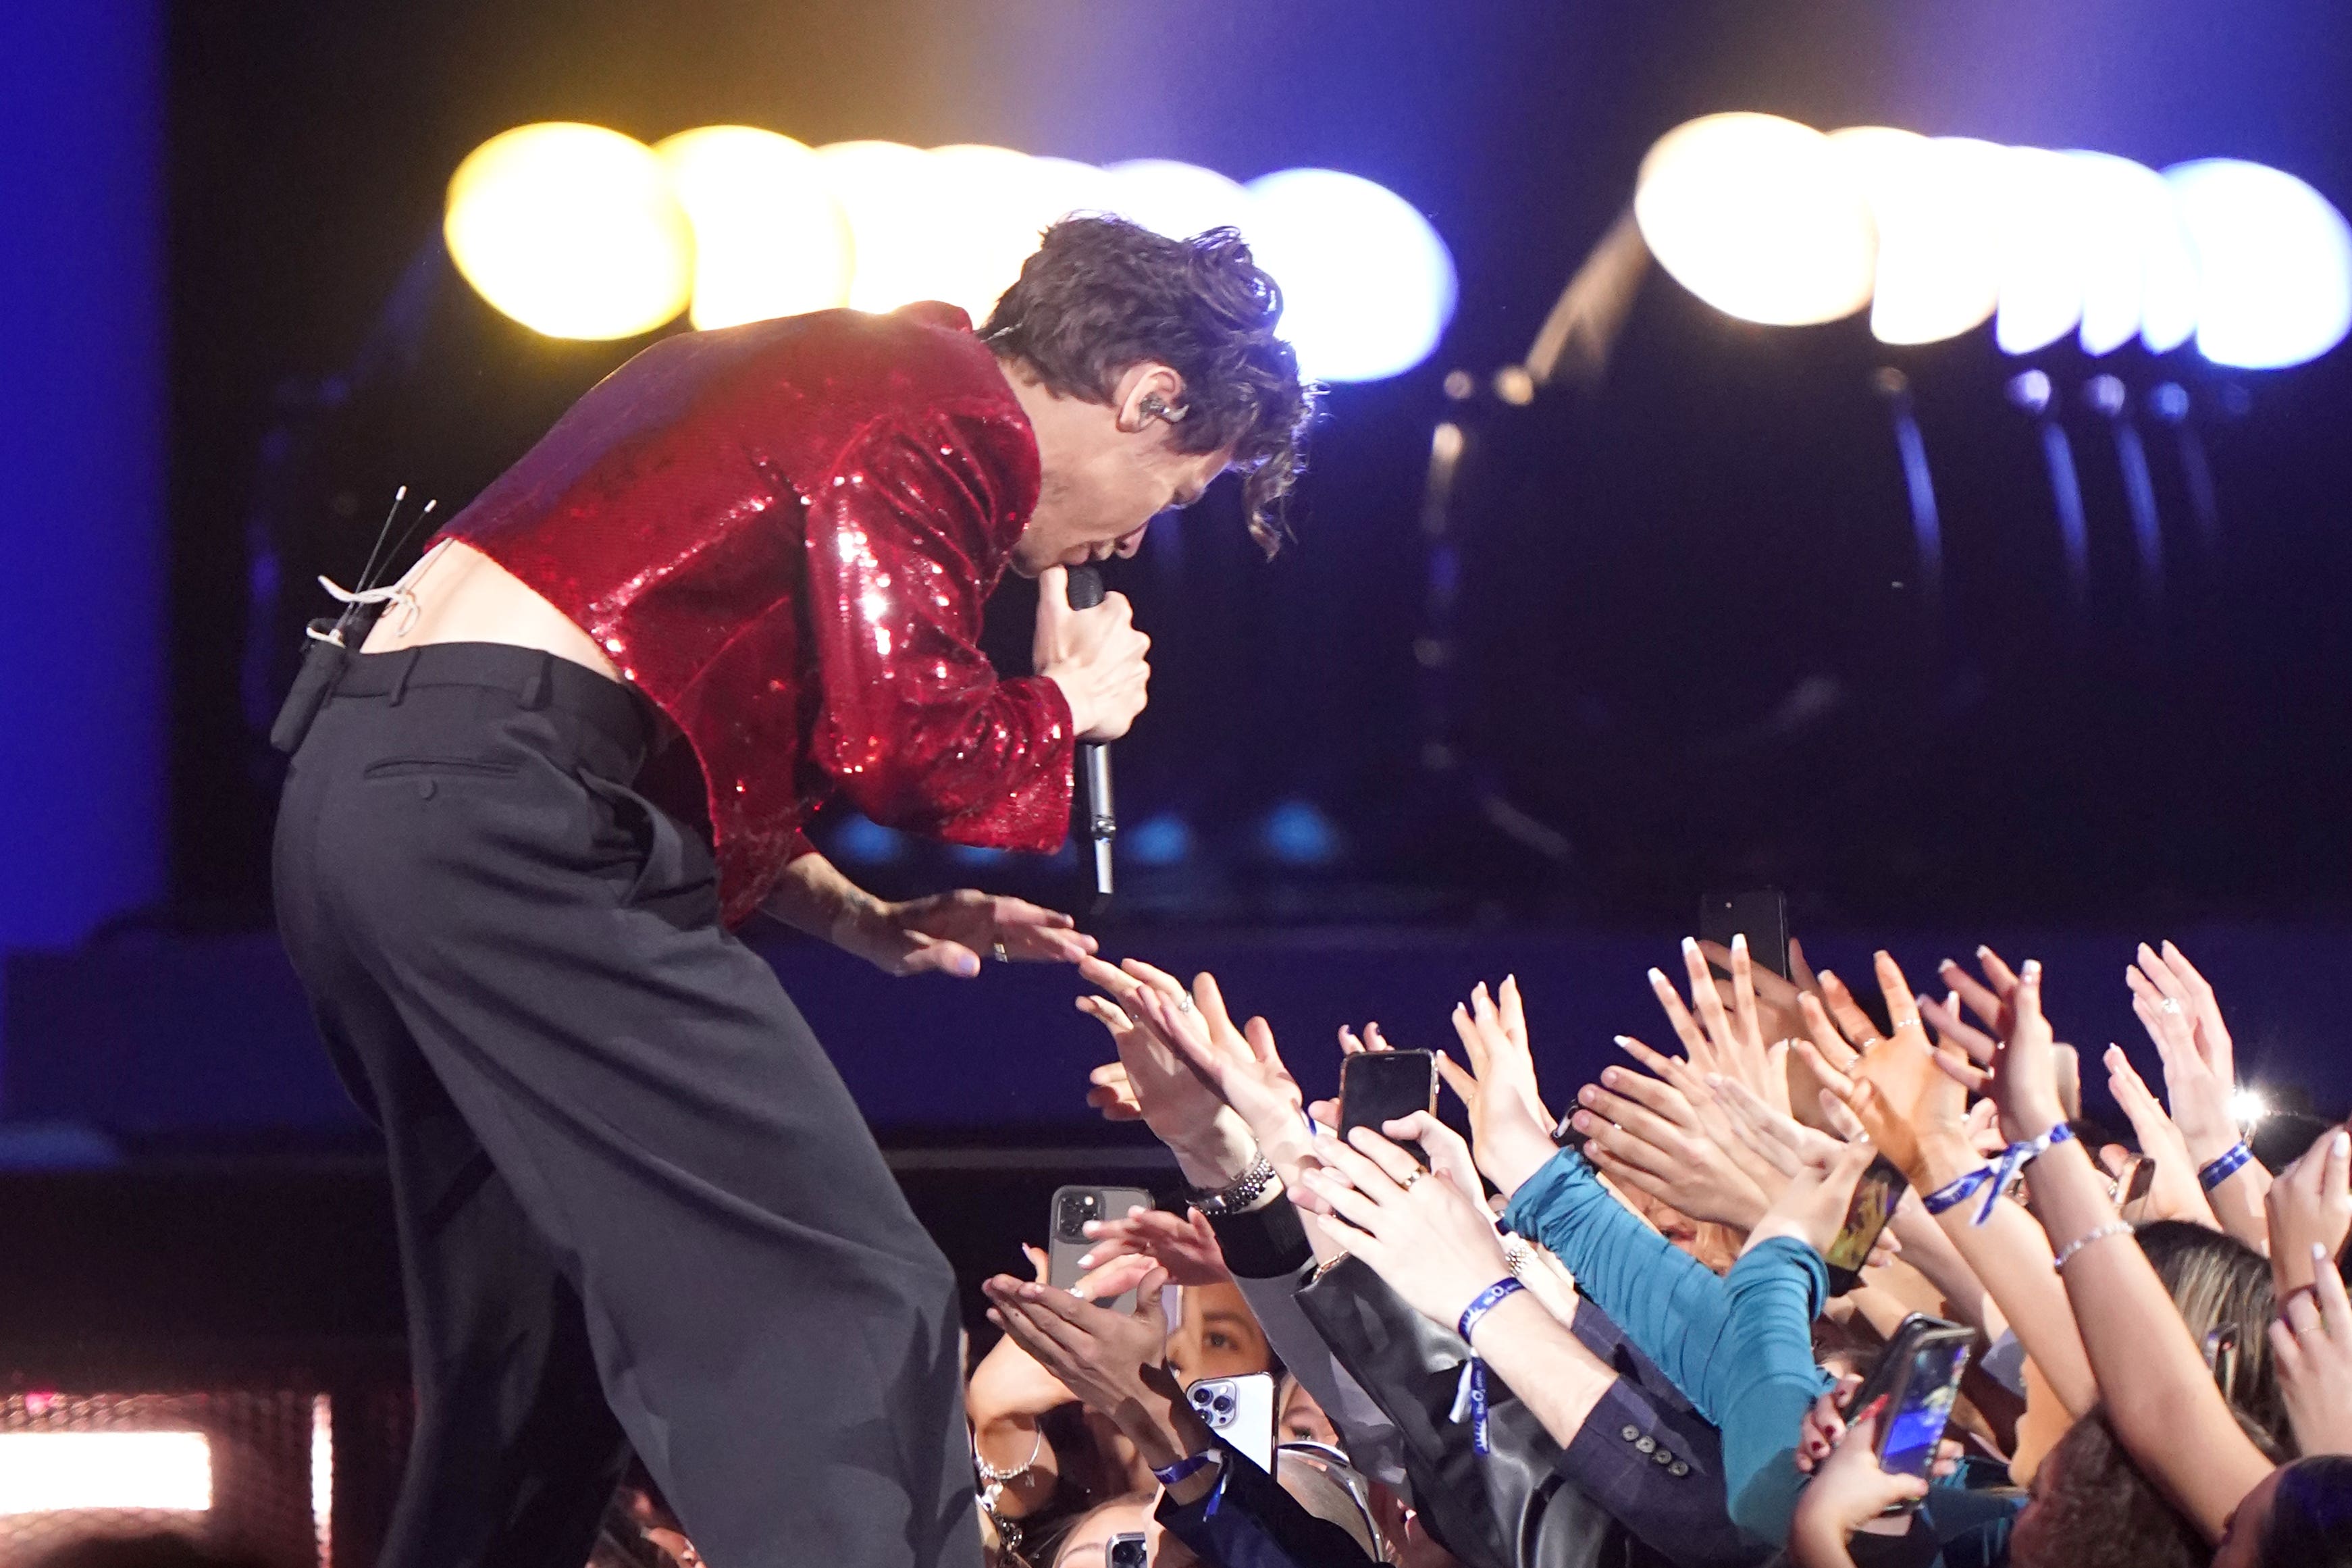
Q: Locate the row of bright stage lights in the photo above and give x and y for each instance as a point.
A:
(581, 232)
(1776, 223)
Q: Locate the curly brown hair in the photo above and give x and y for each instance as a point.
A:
(1102, 294)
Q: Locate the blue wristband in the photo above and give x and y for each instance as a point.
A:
(2014, 1159)
(1492, 1296)
(1955, 1193)
(1181, 1470)
(2224, 1165)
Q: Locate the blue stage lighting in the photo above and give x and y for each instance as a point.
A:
(1366, 284)
(975, 855)
(2274, 261)
(1161, 840)
(860, 841)
(1296, 834)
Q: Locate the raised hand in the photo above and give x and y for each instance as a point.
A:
(1434, 1244)
(1183, 1111)
(1511, 1128)
(2312, 1344)
(1813, 1206)
(2199, 1071)
(1728, 1040)
(1644, 1132)
(2310, 1206)
(1106, 1358)
(2174, 1193)
(1848, 1491)
(1183, 1245)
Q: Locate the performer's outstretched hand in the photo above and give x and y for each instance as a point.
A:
(951, 932)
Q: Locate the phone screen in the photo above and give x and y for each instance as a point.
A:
(1376, 1086)
(1914, 1424)
(1761, 916)
(1875, 1196)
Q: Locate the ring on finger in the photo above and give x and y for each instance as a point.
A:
(996, 951)
(2169, 1005)
(1411, 1177)
(1183, 1002)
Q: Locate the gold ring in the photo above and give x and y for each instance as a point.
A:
(1410, 1179)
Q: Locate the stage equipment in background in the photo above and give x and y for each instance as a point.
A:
(2030, 392)
(1086, 590)
(2106, 396)
(1919, 482)
(581, 232)
(573, 230)
(769, 238)
(1771, 222)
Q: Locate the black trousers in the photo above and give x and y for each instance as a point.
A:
(637, 1205)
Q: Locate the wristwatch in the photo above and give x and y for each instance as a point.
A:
(1239, 1194)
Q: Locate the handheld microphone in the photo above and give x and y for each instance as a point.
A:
(1094, 757)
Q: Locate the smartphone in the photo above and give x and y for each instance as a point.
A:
(1067, 1228)
(1875, 1196)
(1127, 1549)
(2132, 1186)
(1241, 1411)
(1920, 1377)
(1761, 916)
(1376, 1086)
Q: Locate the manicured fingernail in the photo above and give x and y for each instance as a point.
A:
(2319, 1252)
(1983, 952)
(1944, 963)
(1079, 1291)
(1740, 942)
(1690, 946)
(2032, 970)
(1624, 1040)
(1087, 1261)
(1826, 978)
(1657, 976)
(2343, 1144)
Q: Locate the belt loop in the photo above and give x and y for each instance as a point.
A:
(535, 688)
(399, 681)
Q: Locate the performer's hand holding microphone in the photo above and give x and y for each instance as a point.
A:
(1087, 645)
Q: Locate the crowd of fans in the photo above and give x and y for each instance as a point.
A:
(1615, 1337)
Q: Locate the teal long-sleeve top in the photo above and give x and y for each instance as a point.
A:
(1740, 1346)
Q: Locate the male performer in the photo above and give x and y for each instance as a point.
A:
(637, 1207)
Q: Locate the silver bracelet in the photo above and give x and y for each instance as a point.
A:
(996, 1478)
(2096, 1233)
(1240, 1193)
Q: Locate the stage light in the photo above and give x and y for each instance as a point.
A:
(1179, 200)
(2273, 264)
(895, 198)
(861, 841)
(2030, 390)
(1934, 203)
(2136, 276)
(571, 230)
(1368, 287)
(769, 238)
(52, 1472)
(2043, 241)
(999, 202)
(1296, 834)
(1760, 218)
(1156, 841)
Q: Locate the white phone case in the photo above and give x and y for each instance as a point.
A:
(1241, 1411)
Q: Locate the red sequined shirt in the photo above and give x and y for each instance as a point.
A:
(784, 533)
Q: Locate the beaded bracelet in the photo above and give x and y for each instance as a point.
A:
(2096, 1233)
(2224, 1165)
(1493, 1295)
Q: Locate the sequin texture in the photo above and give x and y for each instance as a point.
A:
(830, 646)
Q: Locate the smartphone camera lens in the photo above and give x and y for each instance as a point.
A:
(1076, 1209)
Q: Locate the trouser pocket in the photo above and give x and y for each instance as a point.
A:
(676, 873)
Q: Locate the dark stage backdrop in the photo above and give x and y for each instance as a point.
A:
(1693, 650)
